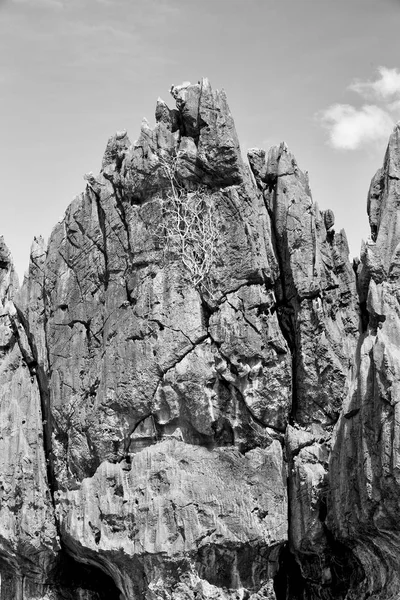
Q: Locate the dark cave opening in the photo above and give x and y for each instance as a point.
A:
(71, 575)
(288, 582)
(68, 580)
(346, 573)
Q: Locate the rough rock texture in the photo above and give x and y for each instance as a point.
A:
(366, 448)
(318, 313)
(172, 438)
(28, 534)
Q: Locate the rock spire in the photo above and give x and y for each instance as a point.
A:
(234, 436)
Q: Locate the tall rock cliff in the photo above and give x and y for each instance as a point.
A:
(198, 390)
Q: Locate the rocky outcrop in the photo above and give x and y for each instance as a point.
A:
(318, 314)
(28, 534)
(165, 401)
(198, 390)
(365, 451)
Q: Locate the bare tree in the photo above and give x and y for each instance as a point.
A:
(189, 226)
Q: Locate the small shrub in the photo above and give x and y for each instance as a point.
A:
(189, 226)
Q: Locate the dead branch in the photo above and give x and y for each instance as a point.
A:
(189, 227)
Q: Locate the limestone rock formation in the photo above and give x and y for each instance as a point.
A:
(366, 513)
(198, 390)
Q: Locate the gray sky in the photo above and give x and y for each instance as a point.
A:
(319, 74)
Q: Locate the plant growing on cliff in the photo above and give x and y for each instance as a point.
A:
(189, 225)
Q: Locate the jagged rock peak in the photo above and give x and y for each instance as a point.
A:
(279, 162)
(9, 283)
(200, 130)
(198, 397)
(381, 253)
(5, 256)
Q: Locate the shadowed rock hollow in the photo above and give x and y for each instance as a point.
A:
(198, 391)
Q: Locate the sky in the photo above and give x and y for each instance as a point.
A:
(321, 75)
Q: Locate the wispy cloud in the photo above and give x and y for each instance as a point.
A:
(53, 4)
(385, 87)
(72, 37)
(84, 41)
(350, 127)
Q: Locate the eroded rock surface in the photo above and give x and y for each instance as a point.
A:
(164, 402)
(232, 435)
(366, 444)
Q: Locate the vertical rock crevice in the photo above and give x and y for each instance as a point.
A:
(239, 443)
(318, 315)
(38, 372)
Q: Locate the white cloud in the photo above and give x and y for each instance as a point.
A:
(385, 87)
(351, 128)
(394, 107)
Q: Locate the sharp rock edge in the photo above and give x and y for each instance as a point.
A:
(233, 436)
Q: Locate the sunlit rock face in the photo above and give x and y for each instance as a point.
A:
(318, 314)
(364, 470)
(166, 400)
(198, 390)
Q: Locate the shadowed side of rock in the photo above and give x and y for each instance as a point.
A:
(28, 536)
(317, 308)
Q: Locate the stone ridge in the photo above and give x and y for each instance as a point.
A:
(172, 438)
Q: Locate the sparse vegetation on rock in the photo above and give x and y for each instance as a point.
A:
(157, 446)
(189, 226)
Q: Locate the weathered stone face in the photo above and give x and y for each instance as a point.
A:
(28, 534)
(176, 437)
(164, 401)
(180, 510)
(366, 448)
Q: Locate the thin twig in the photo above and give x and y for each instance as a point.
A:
(189, 226)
